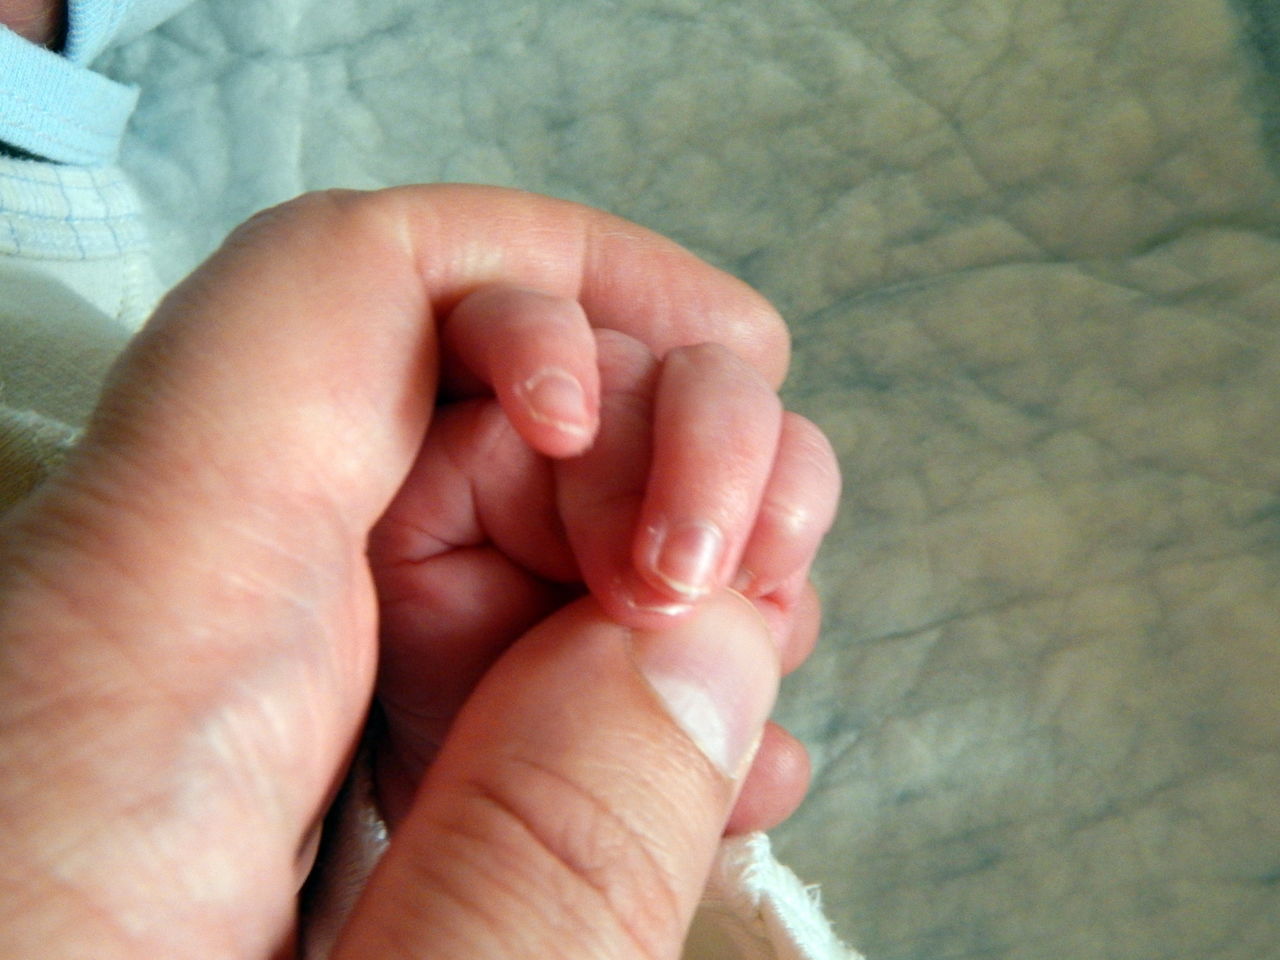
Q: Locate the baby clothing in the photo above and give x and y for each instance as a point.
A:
(52, 106)
(75, 282)
(75, 273)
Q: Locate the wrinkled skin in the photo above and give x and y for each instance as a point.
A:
(1028, 253)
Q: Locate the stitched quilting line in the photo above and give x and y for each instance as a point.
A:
(53, 174)
(41, 224)
(85, 184)
(106, 193)
(55, 212)
(73, 244)
(15, 242)
(71, 218)
(71, 224)
(66, 209)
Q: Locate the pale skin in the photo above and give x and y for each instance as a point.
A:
(326, 471)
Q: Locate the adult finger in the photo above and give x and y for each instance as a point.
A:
(320, 314)
(626, 278)
(578, 801)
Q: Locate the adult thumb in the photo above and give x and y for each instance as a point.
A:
(578, 801)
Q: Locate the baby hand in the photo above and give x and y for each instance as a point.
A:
(590, 463)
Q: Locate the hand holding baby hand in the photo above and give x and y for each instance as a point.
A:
(486, 537)
(191, 619)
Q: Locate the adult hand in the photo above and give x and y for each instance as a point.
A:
(190, 622)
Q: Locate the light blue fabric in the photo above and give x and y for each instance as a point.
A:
(52, 105)
(93, 25)
(55, 109)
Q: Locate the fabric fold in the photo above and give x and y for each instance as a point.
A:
(53, 108)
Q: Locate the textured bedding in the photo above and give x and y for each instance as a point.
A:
(1031, 256)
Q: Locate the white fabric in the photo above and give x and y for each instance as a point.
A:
(756, 909)
(75, 281)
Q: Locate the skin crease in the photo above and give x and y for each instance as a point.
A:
(191, 621)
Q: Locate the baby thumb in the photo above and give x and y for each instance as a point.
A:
(577, 804)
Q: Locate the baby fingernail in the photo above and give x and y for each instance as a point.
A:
(686, 556)
(555, 397)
